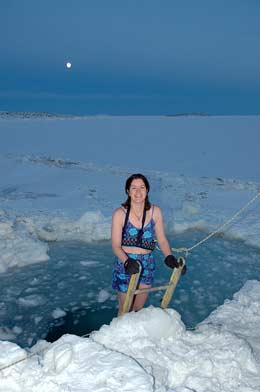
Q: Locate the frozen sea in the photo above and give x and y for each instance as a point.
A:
(60, 180)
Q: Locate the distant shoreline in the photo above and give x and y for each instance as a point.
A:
(48, 115)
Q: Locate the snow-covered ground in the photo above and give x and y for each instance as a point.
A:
(148, 351)
(61, 178)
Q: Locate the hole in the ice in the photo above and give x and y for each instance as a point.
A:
(76, 284)
(215, 272)
(80, 322)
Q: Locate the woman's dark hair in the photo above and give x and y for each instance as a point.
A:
(137, 176)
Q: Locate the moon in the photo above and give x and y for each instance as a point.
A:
(68, 65)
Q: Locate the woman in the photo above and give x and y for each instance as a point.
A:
(135, 226)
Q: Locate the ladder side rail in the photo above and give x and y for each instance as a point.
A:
(130, 293)
(172, 284)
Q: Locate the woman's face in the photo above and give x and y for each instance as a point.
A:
(137, 191)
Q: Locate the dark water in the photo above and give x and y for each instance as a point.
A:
(71, 293)
(215, 271)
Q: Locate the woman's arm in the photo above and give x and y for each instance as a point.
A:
(116, 234)
(170, 260)
(159, 230)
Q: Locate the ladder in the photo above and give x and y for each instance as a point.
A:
(169, 288)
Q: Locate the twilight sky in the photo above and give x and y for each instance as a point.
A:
(130, 56)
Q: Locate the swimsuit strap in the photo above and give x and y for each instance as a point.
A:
(126, 220)
(141, 231)
(143, 220)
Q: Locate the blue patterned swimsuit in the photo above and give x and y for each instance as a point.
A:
(121, 280)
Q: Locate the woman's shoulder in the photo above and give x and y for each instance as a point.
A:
(119, 212)
(157, 212)
(156, 209)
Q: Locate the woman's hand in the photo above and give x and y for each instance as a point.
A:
(172, 262)
(131, 266)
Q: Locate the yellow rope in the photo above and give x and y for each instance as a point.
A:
(187, 250)
(32, 355)
(18, 361)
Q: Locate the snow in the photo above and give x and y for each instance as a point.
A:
(31, 300)
(103, 295)
(149, 351)
(66, 175)
(61, 178)
(57, 313)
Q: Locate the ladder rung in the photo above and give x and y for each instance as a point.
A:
(150, 289)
